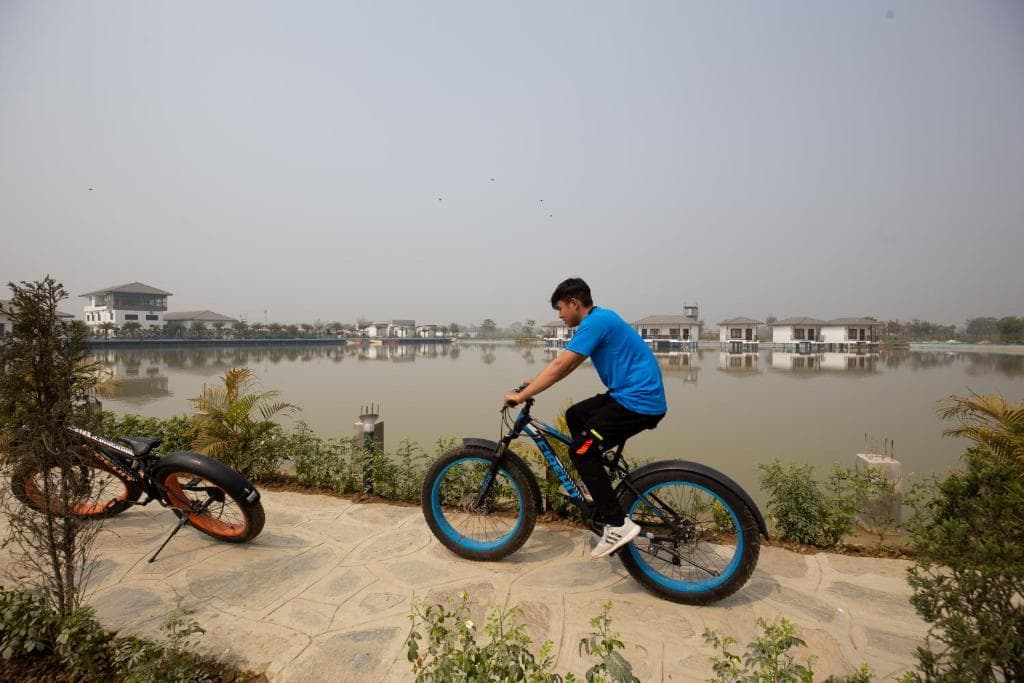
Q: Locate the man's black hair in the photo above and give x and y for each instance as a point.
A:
(573, 288)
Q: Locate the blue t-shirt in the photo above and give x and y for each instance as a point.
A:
(623, 361)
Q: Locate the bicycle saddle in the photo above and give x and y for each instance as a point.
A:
(141, 445)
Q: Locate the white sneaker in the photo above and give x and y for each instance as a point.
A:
(615, 537)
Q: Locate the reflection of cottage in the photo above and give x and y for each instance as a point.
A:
(6, 325)
(193, 319)
(133, 302)
(741, 364)
(738, 335)
(684, 365)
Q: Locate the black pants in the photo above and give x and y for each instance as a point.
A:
(596, 425)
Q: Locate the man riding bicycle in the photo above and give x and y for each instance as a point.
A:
(635, 399)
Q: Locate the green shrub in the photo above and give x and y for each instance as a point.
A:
(27, 624)
(968, 534)
(821, 514)
(453, 654)
(768, 659)
(81, 645)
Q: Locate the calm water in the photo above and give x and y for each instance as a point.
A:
(730, 411)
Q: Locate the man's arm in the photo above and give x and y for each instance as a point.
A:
(559, 368)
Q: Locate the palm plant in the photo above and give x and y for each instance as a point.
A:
(234, 421)
(988, 420)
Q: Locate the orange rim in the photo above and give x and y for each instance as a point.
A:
(221, 518)
(97, 503)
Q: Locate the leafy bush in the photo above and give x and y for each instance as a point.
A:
(821, 514)
(29, 627)
(453, 653)
(27, 624)
(968, 578)
(768, 659)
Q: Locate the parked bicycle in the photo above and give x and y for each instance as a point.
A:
(700, 535)
(204, 493)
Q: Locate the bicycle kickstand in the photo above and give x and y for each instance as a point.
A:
(182, 521)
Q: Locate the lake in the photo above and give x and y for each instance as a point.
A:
(729, 411)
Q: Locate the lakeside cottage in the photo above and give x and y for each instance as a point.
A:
(132, 302)
(738, 335)
(671, 332)
(190, 319)
(557, 333)
(811, 335)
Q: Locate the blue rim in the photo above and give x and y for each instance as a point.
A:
(449, 531)
(690, 586)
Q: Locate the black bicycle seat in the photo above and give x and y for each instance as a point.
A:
(141, 445)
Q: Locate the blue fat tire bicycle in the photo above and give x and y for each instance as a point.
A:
(700, 535)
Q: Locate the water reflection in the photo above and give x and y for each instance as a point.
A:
(148, 375)
(814, 364)
(684, 365)
(739, 364)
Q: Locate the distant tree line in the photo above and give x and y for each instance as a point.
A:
(1006, 330)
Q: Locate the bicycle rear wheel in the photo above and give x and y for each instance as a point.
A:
(93, 490)
(699, 542)
(496, 527)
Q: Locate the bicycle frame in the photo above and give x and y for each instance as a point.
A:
(539, 431)
(122, 460)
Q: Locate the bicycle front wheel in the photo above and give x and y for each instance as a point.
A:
(699, 542)
(217, 500)
(487, 529)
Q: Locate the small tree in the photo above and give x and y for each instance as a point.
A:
(488, 328)
(197, 328)
(44, 385)
(239, 328)
(224, 426)
(968, 578)
(107, 328)
(219, 326)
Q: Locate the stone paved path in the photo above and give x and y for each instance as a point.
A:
(324, 594)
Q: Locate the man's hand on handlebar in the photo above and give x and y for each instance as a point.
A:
(513, 398)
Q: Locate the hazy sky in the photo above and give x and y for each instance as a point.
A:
(333, 160)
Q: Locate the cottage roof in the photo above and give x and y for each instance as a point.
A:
(741, 321)
(863, 322)
(202, 316)
(669, 320)
(130, 288)
(404, 323)
(555, 323)
(799, 320)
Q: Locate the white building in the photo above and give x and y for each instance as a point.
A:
(208, 319)
(848, 331)
(738, 335)
(6, 325)
(133, 302)
(799, 329)
(428, 331)
(403, 328)
(556, 330)
(669, 328)
(380, 329)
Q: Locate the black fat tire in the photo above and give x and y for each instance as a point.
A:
(24, 474)
(234, 485)
(517, 470)
(751, 539)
